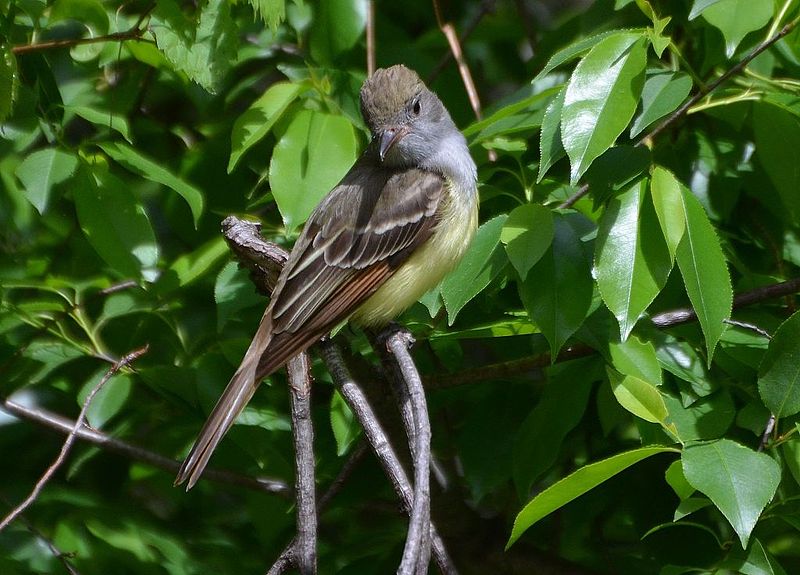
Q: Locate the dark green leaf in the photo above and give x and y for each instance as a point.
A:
(777, 134)
(558, 411)
(576, 50)
(527, 233)
(558, 290)
(339, 25)
(576, 484)
(272, 12)
(153, 171)
(705, 272)
(480, 265)
(41, 171)
(9, 81)
(343, 423)
(707, 418)
(108, 401)
(738, 480)
(116, 225)
(779, 373)
(234, 292)
(662, 93)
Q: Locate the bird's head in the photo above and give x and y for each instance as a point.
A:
(408, 122)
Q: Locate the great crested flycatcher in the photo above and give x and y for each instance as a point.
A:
(399, 221)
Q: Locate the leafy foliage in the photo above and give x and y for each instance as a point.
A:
(577, 419)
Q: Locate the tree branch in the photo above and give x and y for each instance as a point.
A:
(708, 88)
(65, 449)
(64, 425)
(305, 548)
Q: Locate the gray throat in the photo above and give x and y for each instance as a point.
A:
(454, 161)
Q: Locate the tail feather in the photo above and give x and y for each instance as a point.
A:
(237, 394)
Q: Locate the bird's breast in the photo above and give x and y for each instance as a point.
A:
(425, 268)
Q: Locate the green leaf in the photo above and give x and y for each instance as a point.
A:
(258, 119)
(662, 93)
(115, 224)
(737, 18)
(705, 272)
(576, 484)
(272, 12)
(233, 292)
(738, 480)
(779, 373)
(479, 266)
(311, 157)
(526, 234)
(203, 51)
(550, 147)
(632, 261)
(43, 170)
(108, 401)
(575, 50)
(192, 266)
(103, 118)
(707, 418)
(9, 81)
(635, 357)
(757, 560)
(637, 396)
(338, 26)
(777, 133)
(557, 292)
(559, 410)
(521, 115)
(92, 17)
(144, 166)
(601, 98)
(668, 202)
(677, 480)
(343, 423)
(698, 6)
(683, 361)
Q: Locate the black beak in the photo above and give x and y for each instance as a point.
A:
(388, 138)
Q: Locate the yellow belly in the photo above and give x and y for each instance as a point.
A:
(427, 265)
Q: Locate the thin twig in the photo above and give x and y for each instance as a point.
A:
(749, 326)
(683, 315)
(64, 425)
(370, 37)
(487, 6)
(132, 34)
(57, 553)
(305, 549)
(708, 88)
(357, 401)
(768, 429)
(573, 199)
(62, 456)
(287, 557)
(661, 320)
(416, 555)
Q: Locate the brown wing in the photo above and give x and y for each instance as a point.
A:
(341, 258)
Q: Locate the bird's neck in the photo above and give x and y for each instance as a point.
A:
(453, 160)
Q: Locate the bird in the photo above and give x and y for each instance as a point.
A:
(400, 220)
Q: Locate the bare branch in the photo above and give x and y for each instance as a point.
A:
(379, 441)
(708, 88)
(62, 456)
(305, 548)
(416, 555)
(370, 37)
(64, 425)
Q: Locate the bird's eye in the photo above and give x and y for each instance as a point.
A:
(415, 107)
